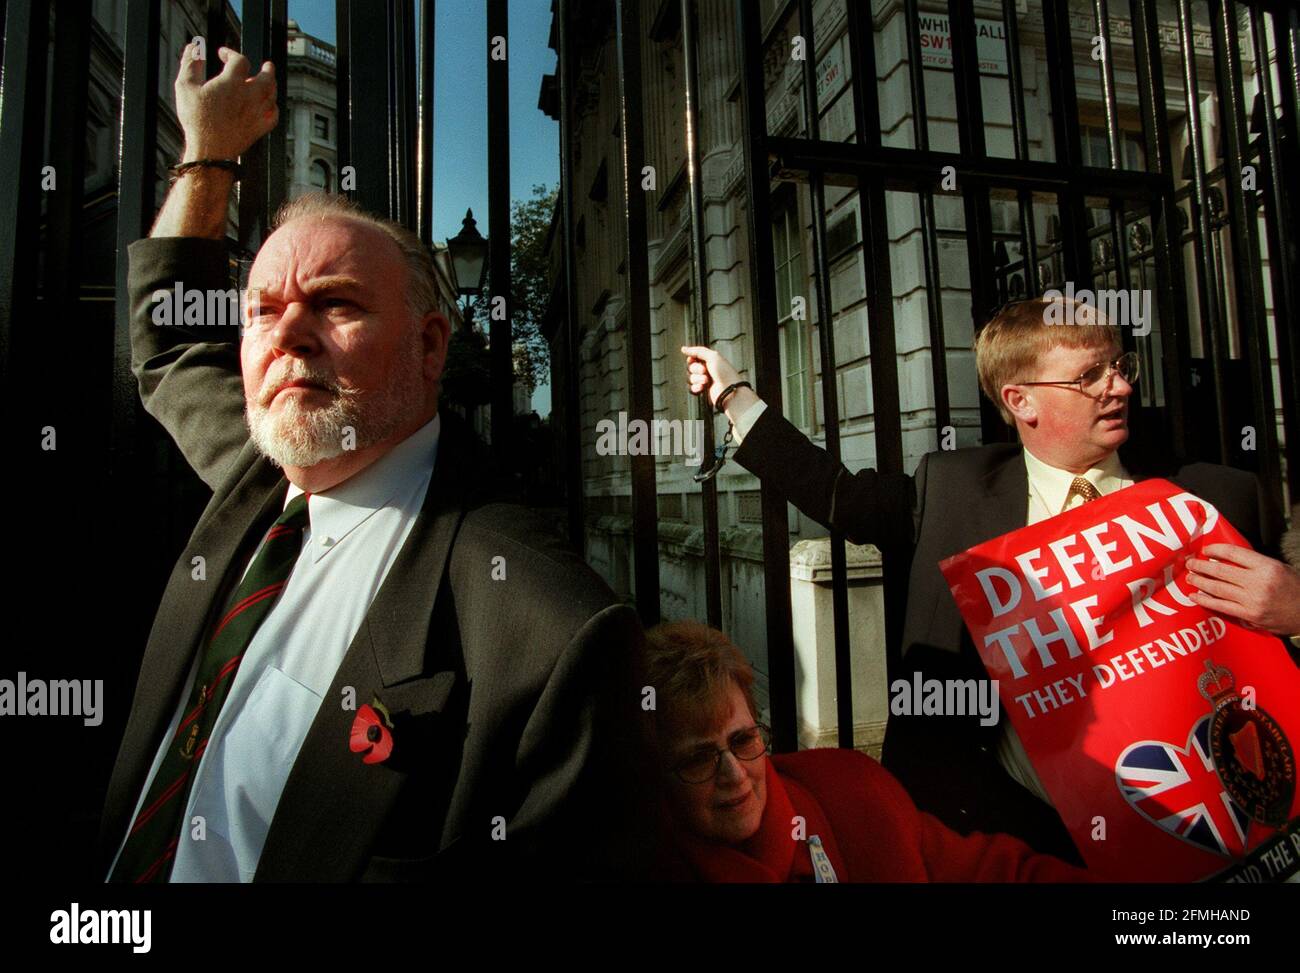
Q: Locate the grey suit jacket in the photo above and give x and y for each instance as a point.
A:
(514, 701)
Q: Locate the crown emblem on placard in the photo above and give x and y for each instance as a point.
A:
(1216, 684)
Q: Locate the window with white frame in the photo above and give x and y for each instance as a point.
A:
(792, 311)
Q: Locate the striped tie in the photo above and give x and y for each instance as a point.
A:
(150, 848)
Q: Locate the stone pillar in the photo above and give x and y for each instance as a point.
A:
(814, 645)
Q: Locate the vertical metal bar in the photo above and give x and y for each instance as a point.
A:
(1060, 68)
(365, 103)
(276, 141)
(886, 408)
(216, 35)
(700, 293)
(934, 307)
(498, 108)
(1034, 285)
(342, 88)
(862, 63)
(916, 74)
(767, 368)
(885, 391)
(1278, 227)
(929, 238)
(1244, 227)
(1066, 137)
(403, 80)
(966, 79)
(22, 130)
(572, 327)
(1015, 79)
(1102, 13)
(428, 15)
(136, 199)
(975, 193)
(1171, 293)
(1286, 29)
(645, 513)
(1020, 132)
(262, 187)
(63, 271)
(1118, 246)
(830, 382)
(1210, 311)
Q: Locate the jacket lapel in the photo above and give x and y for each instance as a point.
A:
(386, 660)
(1006, 500)
(221, 533)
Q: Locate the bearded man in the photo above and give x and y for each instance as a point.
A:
(360, 670)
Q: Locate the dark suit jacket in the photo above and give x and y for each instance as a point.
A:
(958, 499)
(513, 699)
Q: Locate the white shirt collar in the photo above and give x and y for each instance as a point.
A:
(335, 513)
(1053, 483)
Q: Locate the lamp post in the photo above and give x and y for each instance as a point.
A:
(469, 252)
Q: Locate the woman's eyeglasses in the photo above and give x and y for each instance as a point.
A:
(703, 765)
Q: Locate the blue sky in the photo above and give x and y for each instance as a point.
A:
(460, 108)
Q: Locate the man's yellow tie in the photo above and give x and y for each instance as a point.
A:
(1081, 488)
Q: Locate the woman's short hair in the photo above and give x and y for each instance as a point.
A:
(1007, 348)
(692, 666)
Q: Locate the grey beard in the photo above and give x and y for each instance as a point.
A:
(303, 437)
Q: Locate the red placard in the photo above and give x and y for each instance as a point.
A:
(1161, 730)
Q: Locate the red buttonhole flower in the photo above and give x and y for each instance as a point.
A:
(372, 733)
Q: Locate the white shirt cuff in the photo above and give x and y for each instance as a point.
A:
(745, 421)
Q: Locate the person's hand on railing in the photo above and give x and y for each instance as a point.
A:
(222, 117)
(708, 369)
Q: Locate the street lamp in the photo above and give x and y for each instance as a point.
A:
(469, 252)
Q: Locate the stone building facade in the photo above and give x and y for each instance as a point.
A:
(601, 278)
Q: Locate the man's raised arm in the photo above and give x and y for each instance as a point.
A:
(869, 507)
(184, 313)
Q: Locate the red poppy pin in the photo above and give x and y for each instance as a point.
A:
(372, 733)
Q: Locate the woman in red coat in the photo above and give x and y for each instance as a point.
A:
(733, 814)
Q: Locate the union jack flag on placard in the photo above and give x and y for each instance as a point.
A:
(1177, 789)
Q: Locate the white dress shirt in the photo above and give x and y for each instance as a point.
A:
(292, 659)
(745, 421)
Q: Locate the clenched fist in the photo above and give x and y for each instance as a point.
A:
(221, 118)
(709, 371)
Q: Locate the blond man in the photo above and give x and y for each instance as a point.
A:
(1066, 391)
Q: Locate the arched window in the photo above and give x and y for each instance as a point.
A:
(320, 175)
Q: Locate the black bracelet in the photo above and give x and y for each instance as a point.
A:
(230, 165)
(719, 406)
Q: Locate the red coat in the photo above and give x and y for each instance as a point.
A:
(869, 827)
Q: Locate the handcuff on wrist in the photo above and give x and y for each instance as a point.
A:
(720, 452)
(230, 165)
